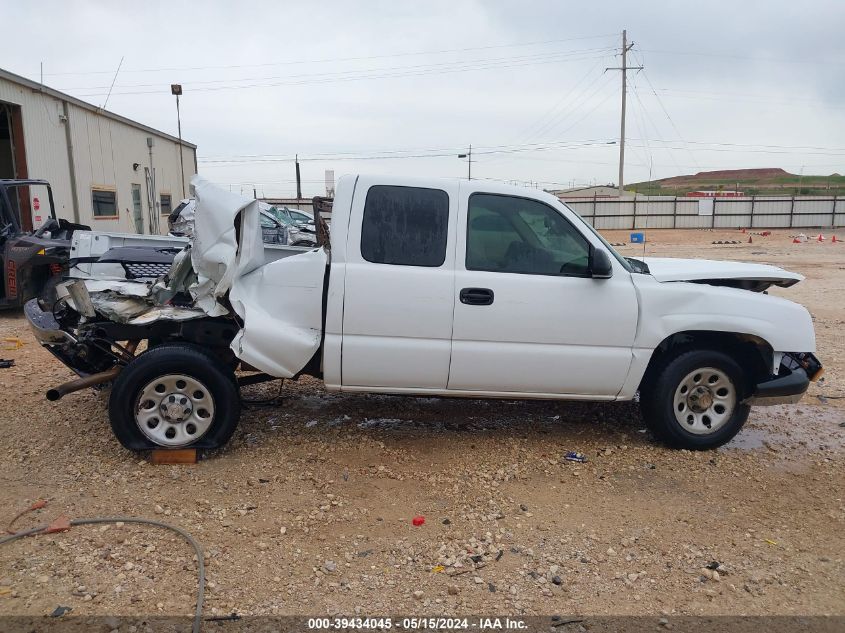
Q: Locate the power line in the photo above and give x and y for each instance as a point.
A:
(747, 57)
(340, 59)
(794, 147)
(341, 73)
(666, 112)
(647, 116)
(398, 156)
(529, 132)
(757, 151)
(571, 108)
(721, 97)
(402, 74)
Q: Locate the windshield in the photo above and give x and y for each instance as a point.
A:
(279, 215)
(299, 217)
(625, 263)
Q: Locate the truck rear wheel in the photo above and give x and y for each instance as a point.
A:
(695, 400)
(174, 396)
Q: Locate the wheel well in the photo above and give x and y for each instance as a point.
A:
(752, 353)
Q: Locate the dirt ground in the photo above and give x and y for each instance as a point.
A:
(309, 509)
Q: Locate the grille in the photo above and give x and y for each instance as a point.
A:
(145, 270)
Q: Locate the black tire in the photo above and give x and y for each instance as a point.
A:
(307, 243)
(172, 359)
(658, 400)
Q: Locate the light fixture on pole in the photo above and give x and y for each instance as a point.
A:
(176, 90)
(468, 156)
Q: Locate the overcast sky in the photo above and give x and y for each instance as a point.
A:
(403, 87)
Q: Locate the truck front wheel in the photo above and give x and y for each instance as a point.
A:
(695, 400)
(174, 396)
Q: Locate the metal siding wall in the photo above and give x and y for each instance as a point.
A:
(732, 213)
(44, 140)
(105, 151)
(656, 212)
(818, 212)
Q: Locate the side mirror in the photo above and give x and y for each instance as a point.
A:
(600, 265)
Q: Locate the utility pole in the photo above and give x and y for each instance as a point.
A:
(624, 68)
(298, 180)
(468, 156)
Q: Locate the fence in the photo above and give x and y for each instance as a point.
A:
(663, 212)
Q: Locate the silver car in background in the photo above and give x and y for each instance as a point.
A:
(279, 225)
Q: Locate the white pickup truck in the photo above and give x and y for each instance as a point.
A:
(430, 288)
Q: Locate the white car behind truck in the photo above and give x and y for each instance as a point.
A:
(435, 288)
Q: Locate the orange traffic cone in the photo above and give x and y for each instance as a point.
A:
(820, 238)
(743, 230)
(795, 240)
(834, 240)
(749, 240)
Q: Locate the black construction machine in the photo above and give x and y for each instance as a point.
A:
(32, 262)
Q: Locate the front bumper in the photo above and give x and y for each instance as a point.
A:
(797, 371)
(44, 326)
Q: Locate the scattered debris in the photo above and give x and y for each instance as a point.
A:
(12, 343)
(60, 611)
(574, 456)
(224, 618)
(728, 241)
(5, 364)
(418, 520)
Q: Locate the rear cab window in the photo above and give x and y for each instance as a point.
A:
(405, 226)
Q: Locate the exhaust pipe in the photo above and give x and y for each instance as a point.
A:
(82, 383)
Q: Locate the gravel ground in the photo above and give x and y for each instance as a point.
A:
(309, 509)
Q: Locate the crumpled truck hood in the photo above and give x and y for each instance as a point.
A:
(226, 243)
(279, 303)
(703, 270)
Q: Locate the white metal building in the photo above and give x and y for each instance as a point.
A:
(105, 170)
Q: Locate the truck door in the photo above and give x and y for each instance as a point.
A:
(529, 317)
(399, 281)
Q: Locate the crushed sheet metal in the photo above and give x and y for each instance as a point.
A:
(281, 308)
(218, 257)
(179, 279)
(167, 313)
(133, 302)
(139, 311)
(125, 288)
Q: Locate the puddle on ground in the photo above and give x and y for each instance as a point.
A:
(792, 426)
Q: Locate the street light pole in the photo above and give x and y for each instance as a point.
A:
(176, 89)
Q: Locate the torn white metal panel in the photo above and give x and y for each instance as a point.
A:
(166, 313)
(282, 310)
(129, 302)
(126, 288)
(219, 255)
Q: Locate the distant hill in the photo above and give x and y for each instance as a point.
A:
(762, 181)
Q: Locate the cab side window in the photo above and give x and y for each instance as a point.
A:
(405, 226)
(519, 235)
